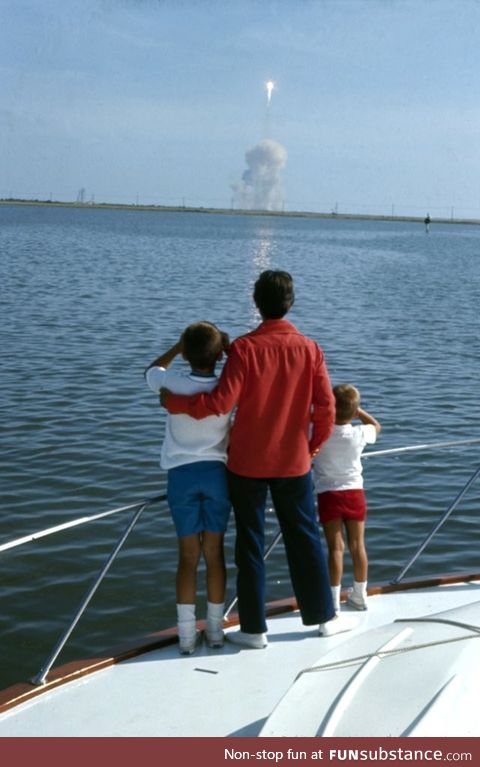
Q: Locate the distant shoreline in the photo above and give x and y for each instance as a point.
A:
(235, 212)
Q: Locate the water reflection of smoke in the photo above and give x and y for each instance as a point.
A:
(261, 260)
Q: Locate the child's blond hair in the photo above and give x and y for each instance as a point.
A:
(347, 400)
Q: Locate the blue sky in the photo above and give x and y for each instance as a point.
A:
(377, 101)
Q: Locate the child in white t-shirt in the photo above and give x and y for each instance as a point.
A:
(194, 453)
(338, 479)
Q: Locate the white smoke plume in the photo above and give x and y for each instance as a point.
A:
(261, 186)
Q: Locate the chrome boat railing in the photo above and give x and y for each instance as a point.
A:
(451, 508)
(77, 522)
(437, 526)
(40, 678)
(140, 506)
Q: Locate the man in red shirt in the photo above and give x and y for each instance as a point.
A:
(279, 382)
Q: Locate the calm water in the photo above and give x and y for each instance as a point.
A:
(89, 297)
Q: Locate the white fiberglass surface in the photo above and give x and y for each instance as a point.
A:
(407, 677)
(224, 692)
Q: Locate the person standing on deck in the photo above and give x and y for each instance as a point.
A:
(337, 472)
(278, 380)
(194, 455)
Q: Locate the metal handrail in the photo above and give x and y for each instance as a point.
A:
(427, 446)
(40, 678)
(75, 523)
(437, 526)
(84, 520)
(393, 451)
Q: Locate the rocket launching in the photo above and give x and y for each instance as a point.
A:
(270, 85)
(260, 187)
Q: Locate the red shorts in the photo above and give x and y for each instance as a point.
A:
(342, 504)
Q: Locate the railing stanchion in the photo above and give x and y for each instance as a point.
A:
(40, 678)
(437, 526)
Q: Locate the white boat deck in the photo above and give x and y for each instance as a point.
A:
(226, 692)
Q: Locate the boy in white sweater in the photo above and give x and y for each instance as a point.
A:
(341, 499)
(194, 454)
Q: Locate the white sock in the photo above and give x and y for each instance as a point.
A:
(360, 588)
(336, 597)
(186, 621)
(215, 617)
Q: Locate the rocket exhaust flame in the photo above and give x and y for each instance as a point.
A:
(270, 85)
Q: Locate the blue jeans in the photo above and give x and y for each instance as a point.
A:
(293, 501)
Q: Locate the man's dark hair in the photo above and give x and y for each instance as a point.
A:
(273, 294)
(202, 344)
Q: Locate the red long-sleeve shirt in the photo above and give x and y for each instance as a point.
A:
(279, 382)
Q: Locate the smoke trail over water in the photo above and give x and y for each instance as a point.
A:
(261, 186)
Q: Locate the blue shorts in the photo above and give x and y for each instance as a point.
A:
(198, 497)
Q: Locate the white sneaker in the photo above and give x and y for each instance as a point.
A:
(337, 625)
(214, 639)
(188, 645)
(254, 641)
(358, 601)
